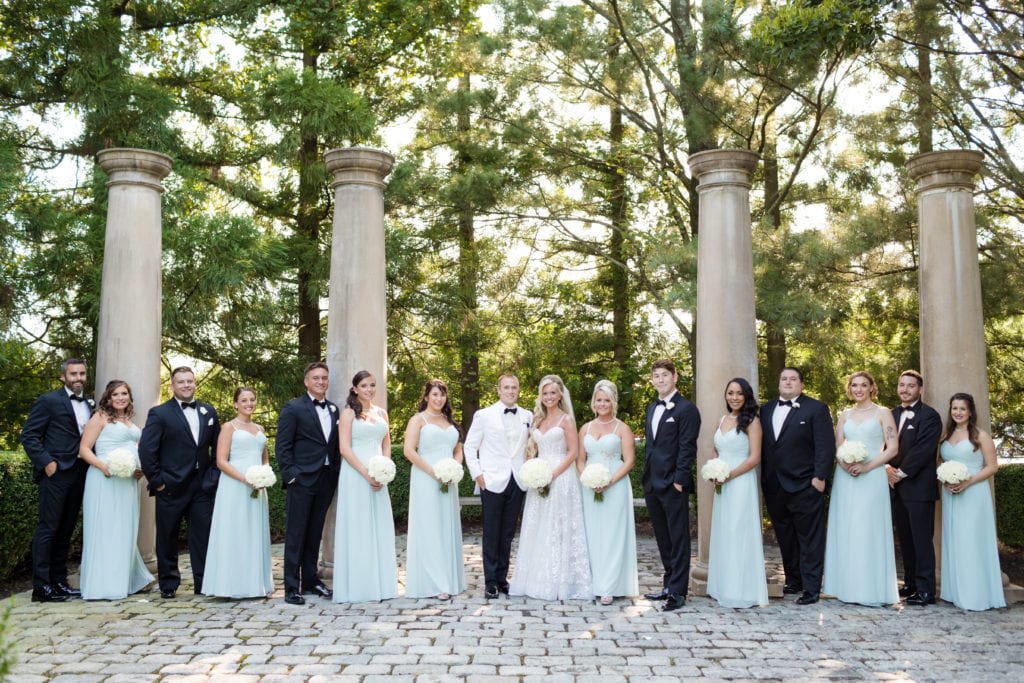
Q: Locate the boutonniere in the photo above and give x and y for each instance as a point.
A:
(202, 410)
(91, 403)
(670, 405)
(796, 404)
(333, 408)
(909, 414)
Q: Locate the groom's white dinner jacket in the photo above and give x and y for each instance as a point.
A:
(490, 452)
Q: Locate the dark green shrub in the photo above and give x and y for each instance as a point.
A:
(19, 503)
(1009, 482)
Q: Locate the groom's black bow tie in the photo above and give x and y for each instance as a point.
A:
(185, 404)
(785, 403)
(510, 410)
(319, 404)
(76, 397)
(660, 402)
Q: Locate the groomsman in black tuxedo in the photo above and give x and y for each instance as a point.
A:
(915, 488)
(670, 451)
(51, 436)
(307, 453)
(797, 456)
(178, 451)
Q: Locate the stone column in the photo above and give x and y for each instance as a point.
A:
(726, 333)
(128, 346)
(357, 314)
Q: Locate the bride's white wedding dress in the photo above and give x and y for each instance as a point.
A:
(552, 561)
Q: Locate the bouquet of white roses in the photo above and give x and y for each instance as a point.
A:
(851, 452)
(536, 474)
(596, 476)
(381, 469)
(449, 471)
(122, 463)
(716, 470)
(953, 472)
(259, 477)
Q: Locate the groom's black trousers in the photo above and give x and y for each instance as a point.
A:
(500, 517)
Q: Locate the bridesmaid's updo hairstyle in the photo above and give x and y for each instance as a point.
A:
(446, 410)
(607, 388)
(748, 411)
(872, 387)
(240, 390)
(106, 403)
(352, 400)
(564, 402)
(972, 419)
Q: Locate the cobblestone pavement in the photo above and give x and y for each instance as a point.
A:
(194, 638)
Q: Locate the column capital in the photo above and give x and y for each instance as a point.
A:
(716, 167)
(358, 166)
(950, 169)
(127, 166)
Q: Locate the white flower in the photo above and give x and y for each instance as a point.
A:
(259, 477)
(851, 452)
(92, 403)
(536, 474)
(796, 404)
(448, 471)
(202, 410)
(122, 463)
(381, 469)
(716, 470)
(333, 408)
(909, 414)
(953, 472)
(670, 405)
(596, 476)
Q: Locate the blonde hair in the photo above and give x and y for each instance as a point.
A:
(564, 402)
(609, 390)
(873, 388)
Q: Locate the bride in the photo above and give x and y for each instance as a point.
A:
(552, 562)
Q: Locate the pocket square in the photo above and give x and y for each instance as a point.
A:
(908, 427)
(671, 419)
(803, 422)
(210, 423)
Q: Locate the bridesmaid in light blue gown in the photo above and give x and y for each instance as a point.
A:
(434, 564)
(365, 567)
(112, 567)
(971, 577)
(609, 523)
(860, 559)
(736, 576)
(238, 558)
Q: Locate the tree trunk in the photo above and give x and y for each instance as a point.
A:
(468, 335)
(308, 228)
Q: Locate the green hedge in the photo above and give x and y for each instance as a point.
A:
(1010, 504)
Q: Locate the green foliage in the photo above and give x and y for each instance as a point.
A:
(8, 655)
(19, 501)
(1009, 484)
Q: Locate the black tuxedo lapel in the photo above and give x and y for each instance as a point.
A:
(315, 416)
(176, 408)
(788, 418)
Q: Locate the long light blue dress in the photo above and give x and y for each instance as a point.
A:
(238, 558)
(736, 576)
(365, 567)
(971, 577)
(112, 567)
(611, 531)
(434, 562)
(860, 560)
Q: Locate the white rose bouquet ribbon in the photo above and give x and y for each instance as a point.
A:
(953, 472)
(449, 472)
(259, 477)
(852, 452)
(122, 463)
(536, 474)
(596, 476)
(381, 469)
(716, 470)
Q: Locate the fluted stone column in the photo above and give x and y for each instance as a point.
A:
(357, 314)
(128, 346)
(726, 333)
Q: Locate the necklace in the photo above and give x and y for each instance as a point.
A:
(960, 429)
(605, 422)
(431, 414)
(861, 410)
(242, 422)
(730, 416)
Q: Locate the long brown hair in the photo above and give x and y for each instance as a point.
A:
(446, 410)
(972, 420)
(106, 403)
(352, 400)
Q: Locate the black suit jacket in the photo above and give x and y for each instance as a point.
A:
(170, 456)
(300, 446)
(51, 432)
(804, 449)
(917, 454)
(669, 457)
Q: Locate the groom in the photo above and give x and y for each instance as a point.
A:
(671, 428)
(494, 453)
(797, 455)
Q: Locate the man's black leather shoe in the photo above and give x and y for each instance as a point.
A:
(660, 595)
(293, 598)
(906, 591)
(167, 594)
(808, 598)
(67, 590)
(921, 599)
(674, 602)
(47, 594)
(503, 588)
(321, 590)
(491, 592)
(792, 589)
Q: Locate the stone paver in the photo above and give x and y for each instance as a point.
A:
(194, 638)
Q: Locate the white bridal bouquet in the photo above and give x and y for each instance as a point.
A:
(122, 463)
(953, 472)
(449, 471)
(852, 452)
(536, 474)
(381, 469)
(716, 470)
(596, 476)
(259, 477)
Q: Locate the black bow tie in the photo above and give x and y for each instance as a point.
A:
(785, 403)
(510, 410)
(320, 404)
(188, 405)
(76, 397)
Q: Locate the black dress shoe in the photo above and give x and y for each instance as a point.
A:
(321, 590)
(503, 588)
(47, 594)
(660, 595)
(67, 590)
(293, 597)
(792, 589)
(674, 602)
(491, 592)
(906, 591)
(808, 598)
(921, 599)
(168, 593)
